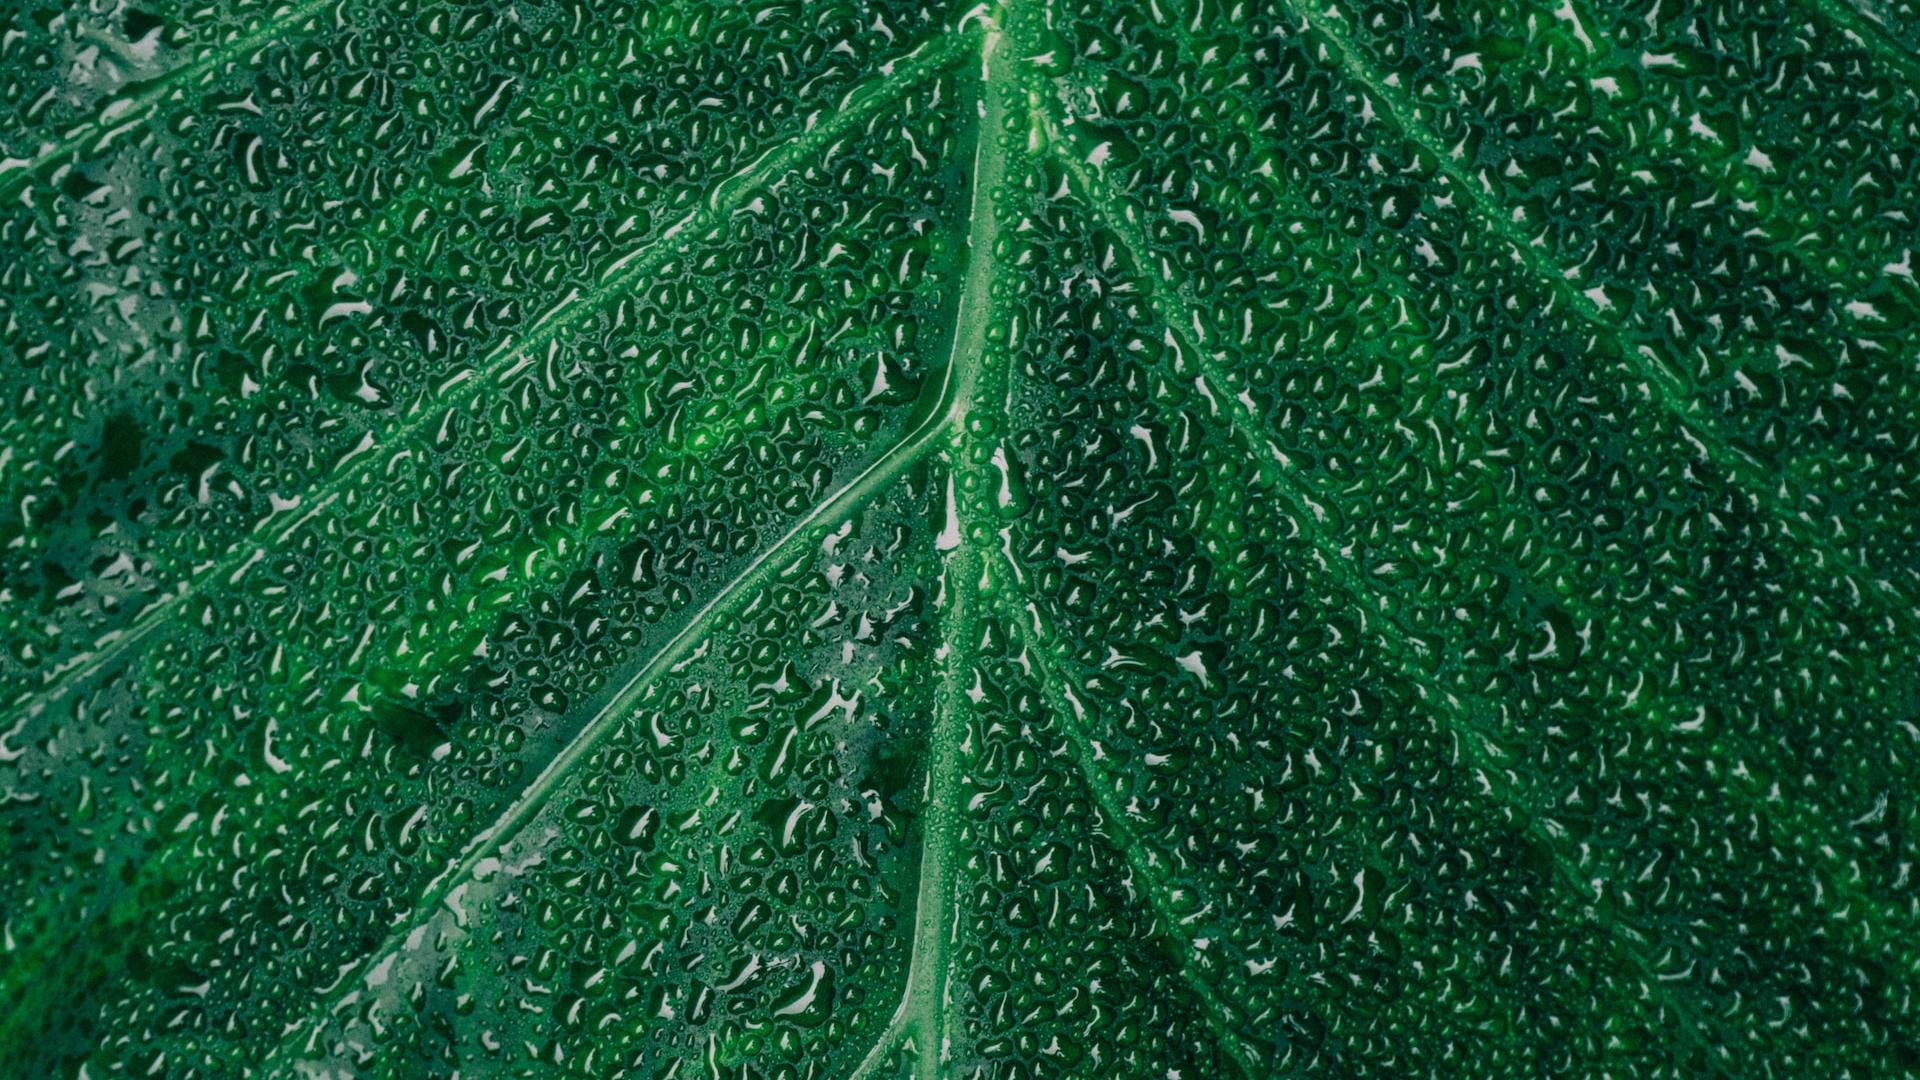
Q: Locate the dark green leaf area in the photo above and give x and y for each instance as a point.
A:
(1087, 538)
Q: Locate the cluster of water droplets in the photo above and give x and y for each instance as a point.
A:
(1141, 538)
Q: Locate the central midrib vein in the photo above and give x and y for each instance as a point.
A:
(923, 1009)
(927, 978)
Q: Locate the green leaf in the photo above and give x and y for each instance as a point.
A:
(1144, 538)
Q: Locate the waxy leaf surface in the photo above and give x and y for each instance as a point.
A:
(1097, 538)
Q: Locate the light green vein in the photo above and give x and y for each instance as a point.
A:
(948, 404)
(354, 471)
(1477, 741)
(1769, 486)
(925, 999)
(764, 567)
(1149, 868)
(922, 1011)
(128, 111)
(936, 916)
(1259, 440)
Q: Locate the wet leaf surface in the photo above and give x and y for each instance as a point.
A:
(1139, 538)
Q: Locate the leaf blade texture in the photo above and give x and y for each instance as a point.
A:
(883, 539)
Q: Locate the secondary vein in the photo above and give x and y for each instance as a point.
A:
(922, 1012)
(678, 239)
(857, 491)
(130, 110)
(1479, 743)
(1767, 485)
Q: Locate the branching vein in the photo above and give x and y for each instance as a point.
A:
(622, 276)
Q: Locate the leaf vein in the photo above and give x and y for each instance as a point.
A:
(137, 108)
(625, 272)
(1219, 1012)
(1476, 740)
(1749, 473)
(605, 720)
